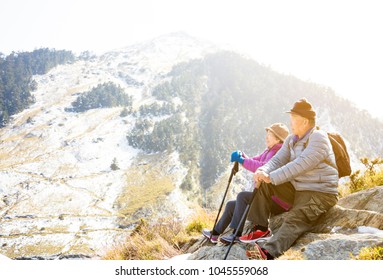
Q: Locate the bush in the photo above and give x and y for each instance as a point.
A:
(371, 177)
(125, 112)
(114, 165)
(370, 253)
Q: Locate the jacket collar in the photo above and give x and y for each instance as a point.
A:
(296, 139)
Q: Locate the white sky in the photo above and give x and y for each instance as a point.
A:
(336, 43)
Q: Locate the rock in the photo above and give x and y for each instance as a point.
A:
(348, 218)
(339, 246)
(370, 199)
(202, 249)
(355, 222)
(218, 252)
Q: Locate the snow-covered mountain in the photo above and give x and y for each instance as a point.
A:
(73, 184)
(59, 195)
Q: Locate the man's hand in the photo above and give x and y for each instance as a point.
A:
(260, 176)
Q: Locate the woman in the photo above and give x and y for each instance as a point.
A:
(275, 135)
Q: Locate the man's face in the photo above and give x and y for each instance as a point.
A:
(297, 124)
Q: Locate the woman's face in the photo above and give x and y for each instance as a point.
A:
(271, 139)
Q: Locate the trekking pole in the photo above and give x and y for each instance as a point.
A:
(243, 218)
(234, 171)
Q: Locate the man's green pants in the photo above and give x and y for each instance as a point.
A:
(307, 207)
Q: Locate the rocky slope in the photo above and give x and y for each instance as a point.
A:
(354, 223)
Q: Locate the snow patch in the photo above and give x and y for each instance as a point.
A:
(370, 230)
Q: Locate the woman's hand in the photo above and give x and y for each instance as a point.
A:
(237, 156)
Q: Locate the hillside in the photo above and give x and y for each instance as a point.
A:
(74, 182)
(232, 98)
(16, 82)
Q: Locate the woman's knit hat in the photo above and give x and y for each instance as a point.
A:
(303, 108)
(280, 130)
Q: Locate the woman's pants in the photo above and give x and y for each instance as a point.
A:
(234, 210)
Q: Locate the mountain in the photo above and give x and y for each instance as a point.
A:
(83, 163)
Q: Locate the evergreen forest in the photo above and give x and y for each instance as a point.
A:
(16, 82)
(104, 95)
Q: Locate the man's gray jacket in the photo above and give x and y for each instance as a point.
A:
(309, 164)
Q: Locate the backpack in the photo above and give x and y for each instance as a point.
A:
(342, 158)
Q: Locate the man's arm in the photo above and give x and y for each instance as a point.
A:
(317, 150)
(279, 159)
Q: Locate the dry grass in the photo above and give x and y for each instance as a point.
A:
(142, 247)
(146, 185)
(291, 254)
(150, 242)
(161, 241)
(200, 220)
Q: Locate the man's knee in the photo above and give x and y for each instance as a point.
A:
(265, 190)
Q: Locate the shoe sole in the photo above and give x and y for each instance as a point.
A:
(263, 239)
(208, 238)
(227, 242)
(252, 241)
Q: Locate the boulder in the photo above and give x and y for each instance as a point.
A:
(370, 199)
(355, 222)
(218, 252)
(337, 246)
(202, 249)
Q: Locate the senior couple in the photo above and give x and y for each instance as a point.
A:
(297, 172)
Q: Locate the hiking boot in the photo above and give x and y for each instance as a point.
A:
(253, 236)
(228, 238)
(207, 233)
(257, 253)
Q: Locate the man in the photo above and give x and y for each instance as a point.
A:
(302, 174)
